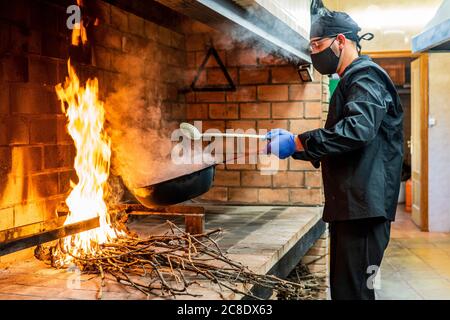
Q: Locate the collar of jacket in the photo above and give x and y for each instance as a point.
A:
(360, 60)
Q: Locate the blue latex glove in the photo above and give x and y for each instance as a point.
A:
(282, 143)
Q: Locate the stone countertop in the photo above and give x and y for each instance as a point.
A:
(256, 236)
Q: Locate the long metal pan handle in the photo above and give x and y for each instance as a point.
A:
(234, 135)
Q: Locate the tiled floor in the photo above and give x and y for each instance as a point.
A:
(416, 264)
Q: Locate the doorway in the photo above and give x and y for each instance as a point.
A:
(398, 66)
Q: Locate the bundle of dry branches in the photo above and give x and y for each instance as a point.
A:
(169, 264)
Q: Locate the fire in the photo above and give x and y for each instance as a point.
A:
(79, 30)
(86, 116)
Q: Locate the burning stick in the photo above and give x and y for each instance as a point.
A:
(167, 262)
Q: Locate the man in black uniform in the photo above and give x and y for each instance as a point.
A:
(361, 153)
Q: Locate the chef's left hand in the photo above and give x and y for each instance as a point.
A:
(282, 143)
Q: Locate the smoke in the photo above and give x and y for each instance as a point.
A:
(273, 28)
(139, 143)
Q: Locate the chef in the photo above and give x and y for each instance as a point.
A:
(360, 150)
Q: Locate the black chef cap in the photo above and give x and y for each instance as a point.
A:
(332, 23)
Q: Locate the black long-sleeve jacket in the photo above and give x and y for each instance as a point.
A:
(361, 146)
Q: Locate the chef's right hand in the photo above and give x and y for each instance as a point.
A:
(282, 143)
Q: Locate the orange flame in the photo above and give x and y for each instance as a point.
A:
(79, 30)
(86, 116)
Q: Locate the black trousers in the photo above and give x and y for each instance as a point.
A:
(356, 251)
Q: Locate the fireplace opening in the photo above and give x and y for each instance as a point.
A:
(91, 93)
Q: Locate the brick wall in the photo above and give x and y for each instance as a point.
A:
(269, 95)
(36, 153)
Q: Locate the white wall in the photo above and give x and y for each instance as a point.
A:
(439, 143)
(393, 22)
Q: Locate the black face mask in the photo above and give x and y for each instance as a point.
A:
(326, 61)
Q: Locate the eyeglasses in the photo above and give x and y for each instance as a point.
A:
(315, 44)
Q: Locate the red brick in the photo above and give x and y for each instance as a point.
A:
(189, 76)
(299, 126)
(210, 97)
(29, 213)
(287, 110)
(313, 110)
(136, 25)
(19, 130)
(227, 178)
(299, 165)
(59, 156)
(6, 218)
(43, 131)
(62, 135)
(306, 196)
(271, 163)
(14, 68)
(270, 196)
(245, 57)
(242, 94)
(15, 189)
(313, 179)
(104, 12)
(107, 37)
(35, 42)
(196, 42)
(253, 76)
(241, 124)
(64, 180)
(119, 19)
(55, 46)
(133, 45)
(256, 179)
(5, 161)
(216, 194)
(212, 62)
(4, 98)
(102, 57)
(255, 110)
(285, 74)
(177, 41)
(191, 62)
(150, 30)
(273, 93)
(223, 111)
(269, 59)
(311, 91)
(44, 185)
(198, 27)
(27, 159)
(232, 165)
(164, 36)
(4, 130)
(288, 179)
(216, 77)
(197, 111)
(247, 195)
(31, 99)
(272, 124)
(42, 71)
(213, 124)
